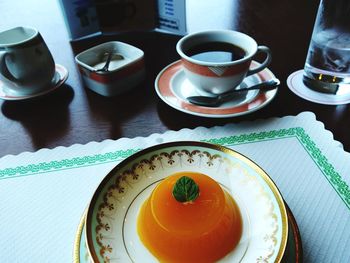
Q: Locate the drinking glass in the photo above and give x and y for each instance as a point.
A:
(327, 66)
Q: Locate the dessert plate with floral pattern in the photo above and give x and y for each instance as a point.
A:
(111, 221)
(292, 254)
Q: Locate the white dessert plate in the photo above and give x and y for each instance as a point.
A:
(111, 222)
(292, 254)
(61, 75)
(173, 88)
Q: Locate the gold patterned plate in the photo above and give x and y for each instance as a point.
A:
(111, 232)
(292, 254)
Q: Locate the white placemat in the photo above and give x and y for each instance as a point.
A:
(44, 194)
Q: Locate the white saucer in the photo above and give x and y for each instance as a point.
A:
(60, 77)
(296, 85)
(173, 88)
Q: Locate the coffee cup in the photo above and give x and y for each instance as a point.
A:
(217, 61)
(26, 64)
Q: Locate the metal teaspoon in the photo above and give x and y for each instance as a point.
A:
(218, 100)
(110, 55)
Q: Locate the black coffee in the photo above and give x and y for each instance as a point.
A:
(216, 52)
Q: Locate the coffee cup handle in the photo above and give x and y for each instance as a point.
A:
(3, 68)
(263, 65)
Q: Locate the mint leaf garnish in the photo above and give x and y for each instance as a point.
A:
(185, 190)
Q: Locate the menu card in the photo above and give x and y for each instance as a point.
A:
(44, 193)
(85, 18)
(172, 16)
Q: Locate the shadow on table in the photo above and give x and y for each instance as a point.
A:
(115, 111)
(44, 118)
(187, 120)
(193, 121)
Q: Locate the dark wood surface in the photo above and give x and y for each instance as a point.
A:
(74, 114)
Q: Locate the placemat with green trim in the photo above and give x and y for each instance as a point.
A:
(44, 194)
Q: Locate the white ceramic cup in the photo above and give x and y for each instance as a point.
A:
(26, 64)
(213, 77)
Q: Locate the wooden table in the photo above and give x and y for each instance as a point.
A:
(74, 114)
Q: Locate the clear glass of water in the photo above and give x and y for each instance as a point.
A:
(327, 66)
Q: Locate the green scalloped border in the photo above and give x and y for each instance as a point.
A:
(333, 177)
(64, 164)
(314, 152)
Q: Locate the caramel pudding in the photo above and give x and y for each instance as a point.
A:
(201, 230)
